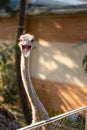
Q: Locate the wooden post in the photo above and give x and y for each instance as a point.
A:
(22, 94)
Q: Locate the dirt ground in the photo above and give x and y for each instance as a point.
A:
(60, 96)
(55, 96)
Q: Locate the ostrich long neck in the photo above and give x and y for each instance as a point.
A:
(38, 110)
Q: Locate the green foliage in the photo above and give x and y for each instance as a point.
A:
(85, 63)
(54, 113)
(84, 41)
(11, 11)
(4, 2)
(85, 57)
(7, 74)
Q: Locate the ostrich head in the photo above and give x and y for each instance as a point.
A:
(26, 43)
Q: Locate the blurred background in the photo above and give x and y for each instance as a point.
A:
(57, 66)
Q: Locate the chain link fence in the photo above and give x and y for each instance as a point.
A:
(73, 120)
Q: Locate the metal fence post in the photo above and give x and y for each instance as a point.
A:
(62, 121)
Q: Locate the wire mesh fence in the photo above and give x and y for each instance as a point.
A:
(73, 120)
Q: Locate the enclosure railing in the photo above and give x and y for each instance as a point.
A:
(72, 120)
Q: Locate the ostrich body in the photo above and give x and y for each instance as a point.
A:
(7, 120)
(38, 111)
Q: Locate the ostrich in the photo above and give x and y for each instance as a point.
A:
(26, 43)
(7, 120)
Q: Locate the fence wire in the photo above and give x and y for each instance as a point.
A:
(73, 120)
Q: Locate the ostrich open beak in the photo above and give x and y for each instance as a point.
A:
(26, 50)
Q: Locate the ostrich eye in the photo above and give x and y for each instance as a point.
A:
(19, 40)
(32, 40)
